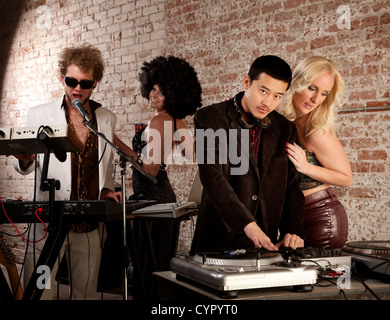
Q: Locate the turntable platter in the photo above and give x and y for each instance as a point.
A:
(372, 248)
(239, 260)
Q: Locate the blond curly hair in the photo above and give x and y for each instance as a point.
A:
(86, 57)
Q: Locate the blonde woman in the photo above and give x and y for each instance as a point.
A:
(316, 92)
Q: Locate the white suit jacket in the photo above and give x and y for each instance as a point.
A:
(52, 114)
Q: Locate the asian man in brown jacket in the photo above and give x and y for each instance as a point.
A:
(251, 196)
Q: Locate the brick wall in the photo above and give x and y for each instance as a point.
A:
(220, 38)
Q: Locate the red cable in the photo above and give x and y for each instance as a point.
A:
(36, 213)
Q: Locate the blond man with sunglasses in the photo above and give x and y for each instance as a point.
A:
(85, 175)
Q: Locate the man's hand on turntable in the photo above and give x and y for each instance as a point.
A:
(291, 241)
(258, 237)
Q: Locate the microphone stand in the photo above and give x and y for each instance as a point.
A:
(124, 158)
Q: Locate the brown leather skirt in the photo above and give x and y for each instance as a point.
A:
(326, 222)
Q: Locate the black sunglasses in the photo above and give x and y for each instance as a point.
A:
(84, 84)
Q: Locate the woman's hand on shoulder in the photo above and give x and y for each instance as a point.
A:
(298, 157)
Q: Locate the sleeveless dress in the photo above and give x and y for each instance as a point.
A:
(164, 233)
(143, 188)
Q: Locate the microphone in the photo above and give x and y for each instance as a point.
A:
(78, 104)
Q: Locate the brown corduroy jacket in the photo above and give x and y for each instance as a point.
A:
(267, 192)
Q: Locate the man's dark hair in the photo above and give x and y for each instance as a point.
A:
(273, 66)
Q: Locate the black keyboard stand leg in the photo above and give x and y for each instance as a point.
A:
(47, 258)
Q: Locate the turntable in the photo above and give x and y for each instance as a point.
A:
(228, 274)
(370, 259)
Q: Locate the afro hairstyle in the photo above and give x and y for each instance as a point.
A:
(178, 82)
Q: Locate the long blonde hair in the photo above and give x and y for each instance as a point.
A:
(324, 116)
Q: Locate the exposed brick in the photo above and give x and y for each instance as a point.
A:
(378, 167)
(383, 43)
(380, 32)
(363, 95)
(385, 18)
(372, 155)
(361, 167)
(293, 3)
(220, 39)
(362, 193)
(375, 104)
(369, 22)
(363, 143)
(322, 42)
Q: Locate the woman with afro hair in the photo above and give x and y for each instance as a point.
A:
(172, 89)
(171, 86)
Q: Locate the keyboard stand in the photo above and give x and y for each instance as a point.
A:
(47, 258)
(149, 257)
